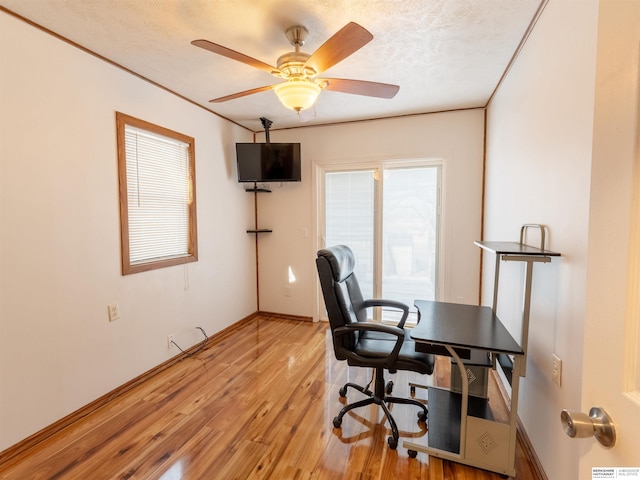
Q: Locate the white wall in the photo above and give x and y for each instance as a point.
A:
(455, 137)
(59, 228)
(539, 150)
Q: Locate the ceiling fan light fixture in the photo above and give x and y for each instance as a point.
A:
(297, 94)
(298, 69)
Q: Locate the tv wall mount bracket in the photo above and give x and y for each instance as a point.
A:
(266, 123)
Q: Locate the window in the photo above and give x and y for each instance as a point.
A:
(156, 170)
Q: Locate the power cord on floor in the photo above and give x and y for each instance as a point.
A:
(202, 344)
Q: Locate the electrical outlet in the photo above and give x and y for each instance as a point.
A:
(114, 312)
(557, 370)
(169, 342)
(287, 290)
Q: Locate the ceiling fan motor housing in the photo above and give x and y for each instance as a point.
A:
(292, 64)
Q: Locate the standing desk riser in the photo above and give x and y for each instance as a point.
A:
(519, 252)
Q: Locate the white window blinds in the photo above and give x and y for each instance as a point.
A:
(158, 192)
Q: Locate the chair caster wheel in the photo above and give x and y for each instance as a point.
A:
(422, 416)
(389, 387)
(343, 392)
(337, 422)
(393, 443)
(413, 454)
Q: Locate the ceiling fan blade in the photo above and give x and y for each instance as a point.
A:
(241, 94)
(233, 55)
(347, 40)
(361, 87)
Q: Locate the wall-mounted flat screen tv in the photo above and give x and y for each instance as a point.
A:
(268, 162)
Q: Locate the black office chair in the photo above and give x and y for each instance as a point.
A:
(364, 343)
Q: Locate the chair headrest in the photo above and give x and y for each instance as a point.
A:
(341, 260)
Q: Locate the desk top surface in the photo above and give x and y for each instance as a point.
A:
(514, 248)
(459, 325)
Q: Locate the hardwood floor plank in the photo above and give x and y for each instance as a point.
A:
(185, 451)
(83, 451)
(257, 404)
(244, 456)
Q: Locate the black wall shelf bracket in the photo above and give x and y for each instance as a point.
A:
(257, 189)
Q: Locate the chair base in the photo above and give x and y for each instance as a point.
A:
(380, 397)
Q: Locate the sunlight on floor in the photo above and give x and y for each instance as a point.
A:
(174, 473)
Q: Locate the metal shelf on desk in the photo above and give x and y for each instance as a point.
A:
(444, 417)
(514, 248)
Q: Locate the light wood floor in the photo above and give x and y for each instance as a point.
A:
(257, 404)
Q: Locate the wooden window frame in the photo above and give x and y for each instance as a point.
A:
(123, 120)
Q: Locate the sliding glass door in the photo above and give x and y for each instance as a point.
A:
(389, 215)
(350, 211)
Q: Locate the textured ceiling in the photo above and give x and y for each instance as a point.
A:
(444, 54)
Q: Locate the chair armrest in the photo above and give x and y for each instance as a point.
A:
(381, 302)
(375, 327)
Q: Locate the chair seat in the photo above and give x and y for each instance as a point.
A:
(379, 345)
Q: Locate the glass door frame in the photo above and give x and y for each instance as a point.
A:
(379, 167)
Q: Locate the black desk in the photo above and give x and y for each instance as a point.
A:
(461, 427)
(462, 326)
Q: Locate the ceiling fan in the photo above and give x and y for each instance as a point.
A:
(299, 70)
